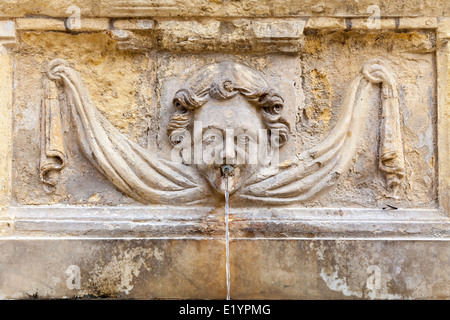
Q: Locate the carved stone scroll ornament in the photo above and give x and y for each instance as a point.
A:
(230, 88)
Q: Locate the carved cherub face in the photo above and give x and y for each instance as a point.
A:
(230, 131)
(239, 115)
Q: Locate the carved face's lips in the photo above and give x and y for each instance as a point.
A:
(218, 181)
(234, 180)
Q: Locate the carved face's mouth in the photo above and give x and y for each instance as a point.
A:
(219, 180)
(227, 170)
(230, 180)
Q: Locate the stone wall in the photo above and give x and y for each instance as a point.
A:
(357, 207)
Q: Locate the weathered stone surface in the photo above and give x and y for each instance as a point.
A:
(150, 268)
(256, 35)
(296, 269)
(195, 269)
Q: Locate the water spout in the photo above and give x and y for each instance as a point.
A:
(226, 171)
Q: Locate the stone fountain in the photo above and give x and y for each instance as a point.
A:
(258, 156)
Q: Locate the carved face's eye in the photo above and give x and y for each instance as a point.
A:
(210, 138)
(243, 138)
(246, 138)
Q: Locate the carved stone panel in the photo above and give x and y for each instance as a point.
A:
(349, 131)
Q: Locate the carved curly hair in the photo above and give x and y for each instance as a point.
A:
(223, 81)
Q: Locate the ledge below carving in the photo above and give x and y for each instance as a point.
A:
(207, 223)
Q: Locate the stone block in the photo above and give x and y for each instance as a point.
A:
(367, 24)
(324, 23)
(134, 24)
(93, 24)
(195, 269)
(418, 23)
(40, 24)
(7, 29)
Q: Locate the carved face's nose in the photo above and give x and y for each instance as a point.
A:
(228, 152)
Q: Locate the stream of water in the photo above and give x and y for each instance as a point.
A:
(227, 238)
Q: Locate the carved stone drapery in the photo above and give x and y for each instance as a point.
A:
(131, 168)
(53, 154)
(391, 159)
(139, 174)
(319, 168)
